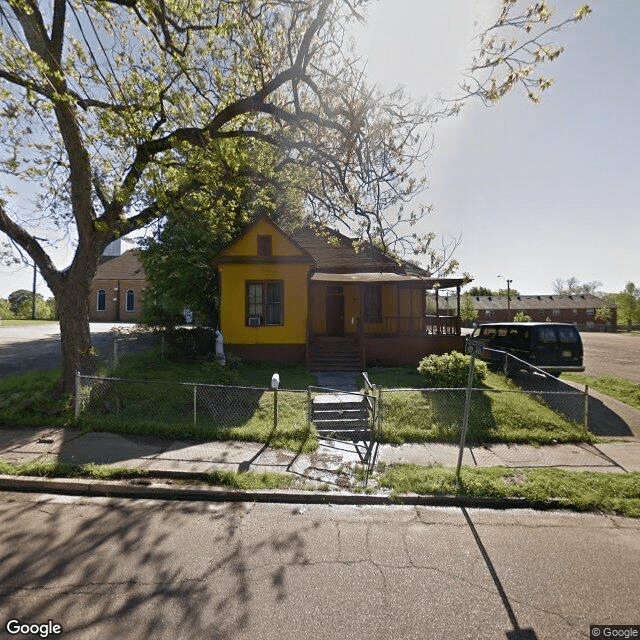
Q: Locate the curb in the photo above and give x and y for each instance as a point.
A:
(149, 490)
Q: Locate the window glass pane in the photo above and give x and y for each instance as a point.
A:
(568, 334)
(255, 299)
(274, 303)
(102, 300)
(547, 334)
(130, 300)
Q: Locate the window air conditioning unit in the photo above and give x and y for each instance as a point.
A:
(254, 321)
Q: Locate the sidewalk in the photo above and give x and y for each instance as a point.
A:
(190, 458)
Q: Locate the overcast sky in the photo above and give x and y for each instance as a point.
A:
(538, 192)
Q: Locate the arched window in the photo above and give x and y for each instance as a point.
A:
(102, 300)
(131, 306)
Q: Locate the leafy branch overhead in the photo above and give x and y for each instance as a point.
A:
(113, 111)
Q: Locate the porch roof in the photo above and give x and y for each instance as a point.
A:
(380, 277)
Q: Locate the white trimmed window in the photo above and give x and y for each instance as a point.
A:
(131, 300)
(101, 301)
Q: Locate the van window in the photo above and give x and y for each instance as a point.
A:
(547, 335)
(568, 335)
(487, 332)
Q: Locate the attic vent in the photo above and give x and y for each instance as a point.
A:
(519, 298)
(550, 297)
(539, 298)
(489, 297)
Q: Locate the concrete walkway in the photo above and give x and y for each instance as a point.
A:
(189, 458)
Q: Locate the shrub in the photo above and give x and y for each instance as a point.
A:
(450, 370)
(190, 343)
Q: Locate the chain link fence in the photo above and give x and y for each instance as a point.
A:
(192, 409)
(129, 343)
(531, 407)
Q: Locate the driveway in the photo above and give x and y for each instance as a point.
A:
(37, 346)
(612, 354)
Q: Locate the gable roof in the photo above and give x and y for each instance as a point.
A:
(124, 267)
(228, 254)
(336, 256)
(336, 253)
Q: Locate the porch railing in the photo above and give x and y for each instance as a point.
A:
(440, 325)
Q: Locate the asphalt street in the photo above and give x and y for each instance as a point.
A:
(32, 347)
(104, 568)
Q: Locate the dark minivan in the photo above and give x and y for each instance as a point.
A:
(550, 346)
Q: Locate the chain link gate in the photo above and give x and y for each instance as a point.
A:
(347, 418)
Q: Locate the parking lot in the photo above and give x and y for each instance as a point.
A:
(612, 354)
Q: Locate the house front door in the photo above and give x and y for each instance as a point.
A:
(335, 311)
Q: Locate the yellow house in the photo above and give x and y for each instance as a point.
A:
(310, 296)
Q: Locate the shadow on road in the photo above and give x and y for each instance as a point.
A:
(114, 571)
(517, 633)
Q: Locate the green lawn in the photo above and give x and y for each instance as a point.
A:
(619, 388)
(582, 490)
(155, 399)
(498, 413)
(17, 322)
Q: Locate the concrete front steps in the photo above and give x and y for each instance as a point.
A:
(339, 414)
(338, 353)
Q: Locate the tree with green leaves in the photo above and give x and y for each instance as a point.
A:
(17, 299)
(467, 311)
(521, 316)
(628, 301)
(480, 291)
(115, 111)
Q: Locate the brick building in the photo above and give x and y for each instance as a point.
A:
(118, 286)
(576, 309)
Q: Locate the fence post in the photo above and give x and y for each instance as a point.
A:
(195, 392)
(465, 420)
(308, 409)
(275, 408)
(586, 407)
(77, 398)
(115, 352)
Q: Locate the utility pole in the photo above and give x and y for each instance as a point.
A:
(508, 297)
(33, 294)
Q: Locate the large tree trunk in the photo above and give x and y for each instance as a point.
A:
(75, 338)
(71, 289)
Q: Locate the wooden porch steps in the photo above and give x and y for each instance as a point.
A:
(334, 354)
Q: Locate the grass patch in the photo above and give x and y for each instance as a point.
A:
(32, 399)
(582, 490)
(149, 365)
(222, 412)
(52, 468)
(250, 481)
(159, 403)
(22, 322)
(497, 414)
(624, 390)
